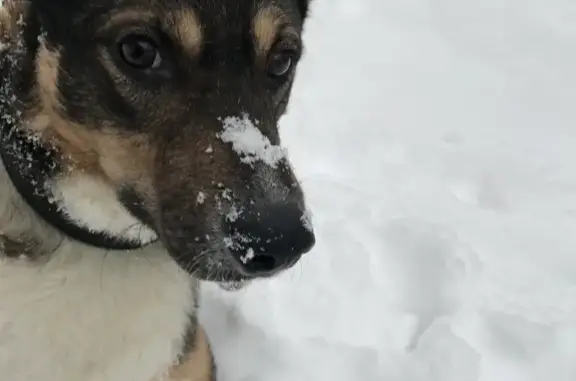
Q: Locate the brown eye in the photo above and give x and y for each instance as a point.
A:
(139, 52)
(280, 64)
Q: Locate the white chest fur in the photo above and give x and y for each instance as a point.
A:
(88, 315)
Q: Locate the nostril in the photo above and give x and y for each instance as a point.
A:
(260, 264)
(269, 239)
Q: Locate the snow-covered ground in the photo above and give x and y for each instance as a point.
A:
(436, 140)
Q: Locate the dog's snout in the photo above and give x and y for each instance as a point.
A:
(269, 239)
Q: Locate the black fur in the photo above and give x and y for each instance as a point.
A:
(304, 5)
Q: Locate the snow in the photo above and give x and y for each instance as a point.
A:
(248, 257)
(249, 142)
(201, 198)
(435, 143)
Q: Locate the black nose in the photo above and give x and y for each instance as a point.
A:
(267, 240)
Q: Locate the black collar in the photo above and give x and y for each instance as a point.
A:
(30, 165)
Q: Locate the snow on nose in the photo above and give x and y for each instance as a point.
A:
(249, 142)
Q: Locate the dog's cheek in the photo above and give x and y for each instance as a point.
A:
(90, 94)
(283, 100)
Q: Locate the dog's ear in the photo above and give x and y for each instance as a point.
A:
(303, 6)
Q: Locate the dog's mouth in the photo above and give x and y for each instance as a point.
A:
(232, 269)
(233, 285)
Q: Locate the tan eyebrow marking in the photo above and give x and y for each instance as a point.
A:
(186, 28)
(128, 16)
(182, 25)
(268, 22)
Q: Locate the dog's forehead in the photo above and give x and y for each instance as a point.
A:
(194, 23)
(209, 13)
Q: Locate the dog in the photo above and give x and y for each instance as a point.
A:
(140, 157)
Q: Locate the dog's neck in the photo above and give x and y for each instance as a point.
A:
(30, 164)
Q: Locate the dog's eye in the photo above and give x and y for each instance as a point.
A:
(280, 64)
(140, 52)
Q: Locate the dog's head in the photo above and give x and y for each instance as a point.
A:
(165, 117)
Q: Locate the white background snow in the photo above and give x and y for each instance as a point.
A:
(436, 141)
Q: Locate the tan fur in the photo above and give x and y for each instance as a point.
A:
(267, 24)
(5, 27)
(100, 151)
(11, 14)
(183, 25)
(187, 30)
(197, 365)
(124, 157)
(127, 17)
(75, 142)
(47, 65)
